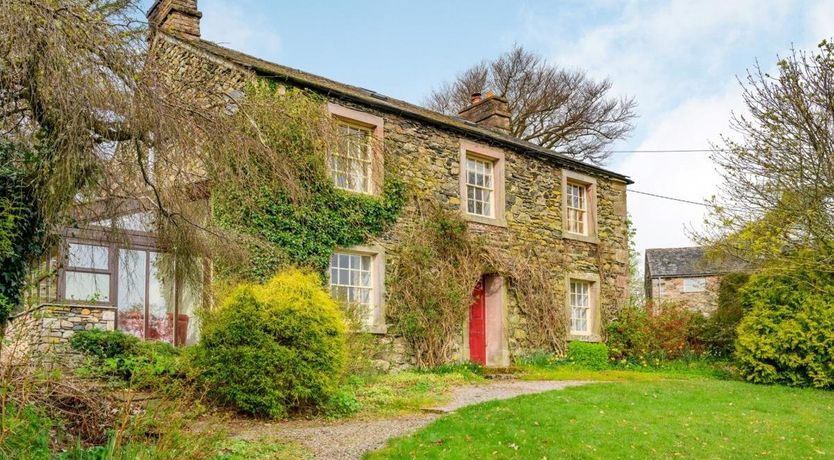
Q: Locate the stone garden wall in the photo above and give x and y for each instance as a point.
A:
(47, 328)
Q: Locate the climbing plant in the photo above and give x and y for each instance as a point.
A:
(299, 225)
(430, 289)
(21, 228)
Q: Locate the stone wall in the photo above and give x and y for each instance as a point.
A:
(427, 158)
(671, 290)
(48, 328)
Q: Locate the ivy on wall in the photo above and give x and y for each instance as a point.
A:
(306, 231)
(21, 228)
(299, 224)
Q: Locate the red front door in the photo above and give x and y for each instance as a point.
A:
(477, 326)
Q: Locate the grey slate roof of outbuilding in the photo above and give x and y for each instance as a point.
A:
(386, 103)
(683, 262)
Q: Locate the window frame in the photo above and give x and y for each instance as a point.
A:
(64, 257)
(375, 126)
(490, 165)
(376, 317)
(590, 218)
(686, 290)
(104, 236)
(594, 319)
(480, 152)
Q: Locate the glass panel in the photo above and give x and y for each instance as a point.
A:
(87, 287)
(188, 325)
(140, 222)
(132, 281)
(160, 303)
(88, 256)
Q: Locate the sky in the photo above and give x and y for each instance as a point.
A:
(680, 59)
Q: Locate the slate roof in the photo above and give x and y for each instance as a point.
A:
(683, 262)
(388, 104)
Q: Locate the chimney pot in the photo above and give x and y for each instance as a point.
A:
(490, 112)
(179, 16)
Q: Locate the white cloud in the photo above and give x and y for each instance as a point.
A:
(691, 176)
(236, 27)
(679, 59)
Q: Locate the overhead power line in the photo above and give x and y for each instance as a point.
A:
(681, 200)
(672, 151)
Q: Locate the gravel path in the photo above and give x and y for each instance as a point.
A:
(350, 439)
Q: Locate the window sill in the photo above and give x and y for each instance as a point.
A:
(584, 338)
(579, 237)
(495, 222)
(356, 192)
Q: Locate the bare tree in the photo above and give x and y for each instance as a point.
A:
(559, 109)
(109, 124)
(776, 206)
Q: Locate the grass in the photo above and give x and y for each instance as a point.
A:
(693, 418)
(393, 394)
(260, 449)
(695, 369)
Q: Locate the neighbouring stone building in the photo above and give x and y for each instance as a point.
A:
(686, 276)
(520, 196)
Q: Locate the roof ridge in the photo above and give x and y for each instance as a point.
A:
(370, 97)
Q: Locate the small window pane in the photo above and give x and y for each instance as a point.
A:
(88, 256)
(580, 305)
(87, 287)
(132, 291)
(694, 284)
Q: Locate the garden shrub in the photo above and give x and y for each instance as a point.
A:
(787, 333)
(719, 331)
(430, 290)
(670, 331)
(114, 354)
(104, 344)
(629, 334)
(589, 355)
(274, 348)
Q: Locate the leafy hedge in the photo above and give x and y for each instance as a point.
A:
(671, 331)
(719, 330)
(589, 355)
(787, 333)
(21, 228)
(126, 359)
(274, 348)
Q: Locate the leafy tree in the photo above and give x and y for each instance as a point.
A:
(559, 109)
(776, 207)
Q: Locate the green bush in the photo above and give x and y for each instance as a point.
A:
(629, 334)
(104, 344)
(149, 365)
(589, 355)
(671, 331)
(273, 348)
(719, 331)
(787, 333)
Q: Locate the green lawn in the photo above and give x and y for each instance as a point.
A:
(635, 419)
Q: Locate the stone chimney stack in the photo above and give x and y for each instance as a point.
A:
(490, 112)
(177, 16)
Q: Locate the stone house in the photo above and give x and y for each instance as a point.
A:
(514, 193)
(686, 276)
